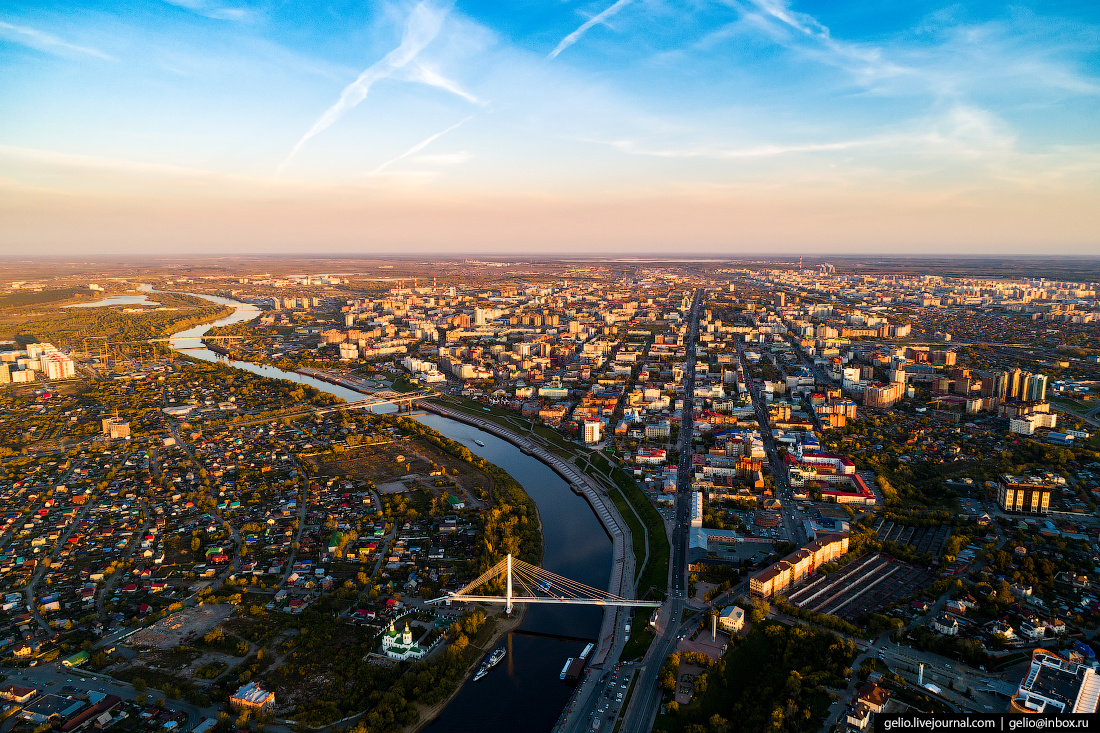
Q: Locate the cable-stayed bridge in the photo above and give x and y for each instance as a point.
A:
(527, 583)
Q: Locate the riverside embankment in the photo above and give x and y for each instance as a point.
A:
(622, 566)
(526, 686)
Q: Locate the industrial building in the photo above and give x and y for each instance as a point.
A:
(252, 697)
(1056, 685)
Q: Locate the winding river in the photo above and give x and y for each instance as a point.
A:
(524, 691)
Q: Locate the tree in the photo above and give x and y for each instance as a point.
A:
(758, 610)
(701, 684)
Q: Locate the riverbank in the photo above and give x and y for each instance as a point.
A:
(621, 582)
(576, 547)
(428, 713)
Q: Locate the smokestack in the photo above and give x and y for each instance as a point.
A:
(713, 627)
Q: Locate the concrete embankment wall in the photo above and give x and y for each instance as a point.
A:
(622, 566)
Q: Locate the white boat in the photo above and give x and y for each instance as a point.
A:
(479, 442)
(491, 661)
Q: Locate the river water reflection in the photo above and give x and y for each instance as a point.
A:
(524, 692)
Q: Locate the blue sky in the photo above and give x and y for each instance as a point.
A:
(936, 116)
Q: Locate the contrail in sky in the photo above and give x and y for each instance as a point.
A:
(418, 147)
(598, 18)
(421, 29)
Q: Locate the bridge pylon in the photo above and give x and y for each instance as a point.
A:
(527, 583)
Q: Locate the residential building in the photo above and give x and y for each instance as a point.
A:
(696, 509)
(883, 396)
(656, 430)
(58, 366)
(114, 428)
(874, 697)
(780, 576)
(945, 624)
(1015, 494)
(18, 694)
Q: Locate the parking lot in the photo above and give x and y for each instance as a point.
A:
(609, 696)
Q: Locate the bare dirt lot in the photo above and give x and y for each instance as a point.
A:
(405, 461)
(181, 626)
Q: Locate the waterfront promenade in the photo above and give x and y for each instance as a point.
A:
(613, 631)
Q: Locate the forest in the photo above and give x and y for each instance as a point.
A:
(511, 526)
(67, 327)
(769, 681)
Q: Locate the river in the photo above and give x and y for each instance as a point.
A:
(524, 691)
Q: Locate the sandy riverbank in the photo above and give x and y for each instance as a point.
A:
(428, 713)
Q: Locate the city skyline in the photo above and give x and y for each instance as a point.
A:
(614, 128)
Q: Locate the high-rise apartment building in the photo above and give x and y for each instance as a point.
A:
(1019, 494)
(1037, 387)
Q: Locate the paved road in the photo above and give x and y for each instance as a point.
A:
(789, 514)
(104, 593)
(32, 603)
(946, 673)
(303, 506)
(645, 699)
(52, 677)
(235, 536)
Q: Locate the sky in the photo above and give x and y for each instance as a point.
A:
(610, 127)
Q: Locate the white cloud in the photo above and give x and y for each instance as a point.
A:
(767, 150)
(799, 21)
(594, 20)
(962, 131)
(42, 41)
(425, 74)
(444, 158)
(777, 20)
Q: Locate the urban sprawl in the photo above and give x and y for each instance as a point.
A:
(843, 492)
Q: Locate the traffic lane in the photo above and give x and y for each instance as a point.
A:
(643, 705)
(947, 682)
(946, 675)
